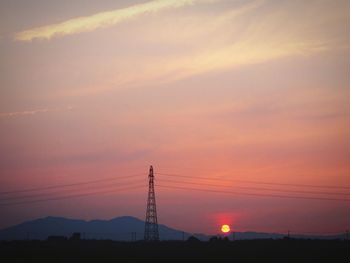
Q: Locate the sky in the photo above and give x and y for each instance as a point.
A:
(234, 102)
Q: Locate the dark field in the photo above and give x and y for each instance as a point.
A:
(237, 251)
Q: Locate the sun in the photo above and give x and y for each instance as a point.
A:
(225, 228)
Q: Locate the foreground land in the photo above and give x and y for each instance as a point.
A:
(289, 250)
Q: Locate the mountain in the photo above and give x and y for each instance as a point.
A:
(121, 228)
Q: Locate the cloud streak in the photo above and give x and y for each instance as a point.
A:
(250, 47)
(32, 112)
(237, 43)
(99, 20)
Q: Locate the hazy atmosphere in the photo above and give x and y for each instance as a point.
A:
(242, 108)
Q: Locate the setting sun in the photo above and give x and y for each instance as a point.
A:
(225, 228)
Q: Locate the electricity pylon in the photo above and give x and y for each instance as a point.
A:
(151, 224)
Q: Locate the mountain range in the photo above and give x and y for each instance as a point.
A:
(124, 228)
(120, 228)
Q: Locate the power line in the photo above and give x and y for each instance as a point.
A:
(258, 188)
(172, 175)
(257, 182)
(256, 194)
(70, 196)
(169, 186)
(67, 185)
(60, 192)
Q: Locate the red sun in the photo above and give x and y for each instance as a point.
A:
(225, 228)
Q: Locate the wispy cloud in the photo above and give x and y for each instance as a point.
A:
(239, 54)
(249, 43)
(32, 112)
(223, 36)
(257, 43)
(99, 20)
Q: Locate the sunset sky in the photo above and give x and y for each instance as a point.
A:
(253, 94)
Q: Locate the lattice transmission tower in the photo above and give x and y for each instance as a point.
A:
(151, 224)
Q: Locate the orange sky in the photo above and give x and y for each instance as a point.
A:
(231, 90)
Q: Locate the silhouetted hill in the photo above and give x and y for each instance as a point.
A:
(121, 228)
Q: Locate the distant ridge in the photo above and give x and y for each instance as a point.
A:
(120, 228)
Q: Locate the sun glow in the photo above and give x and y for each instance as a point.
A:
(225, 228)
